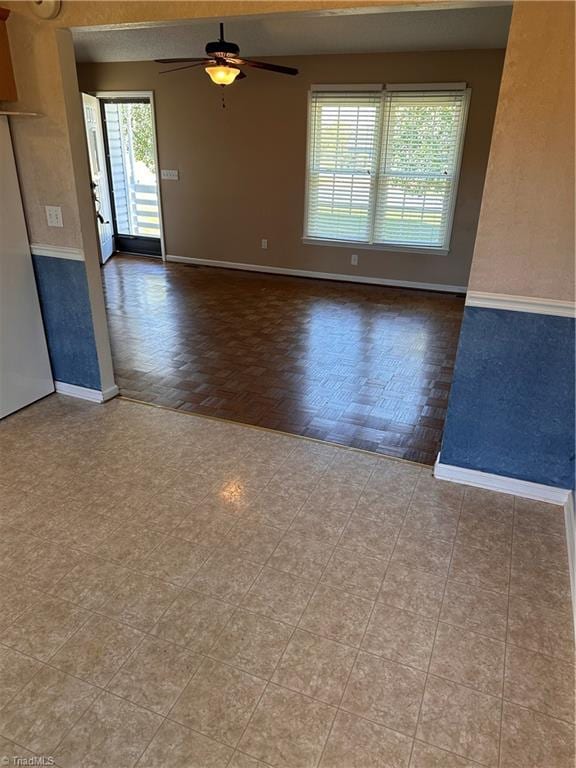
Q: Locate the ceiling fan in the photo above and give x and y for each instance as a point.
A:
(223, 62)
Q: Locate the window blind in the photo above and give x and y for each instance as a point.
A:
(383, 166)
(342, 163)
(418, 167)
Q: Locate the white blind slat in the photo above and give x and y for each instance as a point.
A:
(382, 166)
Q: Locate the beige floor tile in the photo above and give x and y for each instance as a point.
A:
(315, 667)
(16, 599)
(253, 541)
(432, 520)
(355, 573)
(542, 585)
(532, 740)
(177, 747)
(498, 506)
(163, 511)
(10, 753)
(480, 567)
(460, 720)
(334, 495)
(39, 716)
(218, 702)
(369, 537)
(432, 492)
(423, 553)
(140, 601)
(477, 528)
(85, 529)
(225, 576)
(427, 756)
(129, 544)
(193, 620)
(112, 733)
(155, 675)
(241, 760)
(539, 517)
(277, 505)
(476, 609)
(540, 682)
(173, 560)
(320, 524)
(287, 729)
(541, 548)
(44, 627)
(385, 692)
(206, 526)
(401, 636)
(97, 650)
(539, 628)
(278, 596)
(252, 643)
(15, 671)
(48, 564)
(413, 590)
(302, 557)
(356, 743)
(468, 658)
(381, 505)
(91, 583)
(337, 615)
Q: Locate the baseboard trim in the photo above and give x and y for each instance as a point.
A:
(511, 485)
(57, 252)
(531, 304)
(84, 393)
(570, 522)
(317, 275)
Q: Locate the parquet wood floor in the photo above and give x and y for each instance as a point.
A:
(359, 365)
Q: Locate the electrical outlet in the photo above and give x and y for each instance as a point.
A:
(170, 175)
(264, 244)
(54, 215)
(354, 259)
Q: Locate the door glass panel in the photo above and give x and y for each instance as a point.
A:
(134, 180)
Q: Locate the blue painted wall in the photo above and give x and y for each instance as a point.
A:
(511, 408)
(65, 304)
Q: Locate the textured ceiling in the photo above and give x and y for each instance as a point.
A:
(303, 34)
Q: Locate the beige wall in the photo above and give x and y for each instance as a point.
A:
(42, 145)
(525, 242)
(242, 169)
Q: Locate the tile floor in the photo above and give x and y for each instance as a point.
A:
(179, 592)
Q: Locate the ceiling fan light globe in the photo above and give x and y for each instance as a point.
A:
(221, 74)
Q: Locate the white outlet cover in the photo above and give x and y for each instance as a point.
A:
(54, 215)
(264, 243)
(170, 175)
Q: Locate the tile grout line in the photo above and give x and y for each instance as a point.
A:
(369, 619)
(453, 545)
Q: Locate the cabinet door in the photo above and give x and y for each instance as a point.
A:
(25, 374)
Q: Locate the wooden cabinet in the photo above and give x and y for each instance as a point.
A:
(7, 84)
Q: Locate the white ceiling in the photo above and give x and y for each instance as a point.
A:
(484, 26)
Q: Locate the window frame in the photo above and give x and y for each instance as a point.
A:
(383, 88)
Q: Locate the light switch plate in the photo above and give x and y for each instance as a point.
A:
(54, 215)
(170, 175)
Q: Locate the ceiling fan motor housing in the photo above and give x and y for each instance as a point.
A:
(220, 49)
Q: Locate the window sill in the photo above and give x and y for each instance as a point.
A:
(376, 247)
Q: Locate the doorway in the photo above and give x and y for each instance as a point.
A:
(121, 140)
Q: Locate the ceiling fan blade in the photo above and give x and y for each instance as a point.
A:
(270, 67)
(177, 61)
(205, 62)
(241, 76)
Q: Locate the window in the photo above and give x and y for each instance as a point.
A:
(383, 165)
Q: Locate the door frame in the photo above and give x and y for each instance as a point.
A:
(143, 95)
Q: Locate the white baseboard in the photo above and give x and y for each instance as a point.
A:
(318, 275)
(94, 395)
(57, 252)
(523, 488)
(531, 304)
(570, 521)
